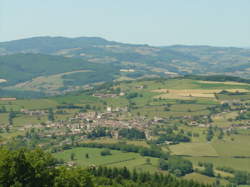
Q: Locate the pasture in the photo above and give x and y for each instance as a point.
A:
(200, 178)
(233, 146)
(117, 159)
(242, 164)
(43, 83)
(204, 179)
(193, 93)
(194, 149)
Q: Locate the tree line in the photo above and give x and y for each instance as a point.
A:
(28, 168)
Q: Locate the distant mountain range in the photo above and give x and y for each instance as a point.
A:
(56, 64)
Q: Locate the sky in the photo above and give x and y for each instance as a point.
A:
(153, 22)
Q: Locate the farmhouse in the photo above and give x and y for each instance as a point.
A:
(193, 123)
(101, 95)
(33, 112)
(109, 109)
(8, 99)
(127, 70)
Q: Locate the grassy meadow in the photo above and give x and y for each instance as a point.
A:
(116, 159)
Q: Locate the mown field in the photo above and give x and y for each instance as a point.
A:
(117, 159)
(241, 164)
(228, 153)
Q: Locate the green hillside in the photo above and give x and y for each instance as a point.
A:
(49, 64)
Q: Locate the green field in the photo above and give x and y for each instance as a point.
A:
(238, 147)
(117, 159)
(177, 113)
(242, 164)
(194, 149)
(218, 152)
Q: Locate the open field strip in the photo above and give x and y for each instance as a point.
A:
(220, 148)
(241, 164)
(113, 141)
(45, 82)
(226, 83)
(222, 153)
(117, 159)
(199, 178)
(203, 179)
(194, 149)
(94, 156)
(190, 93)
(240, 146)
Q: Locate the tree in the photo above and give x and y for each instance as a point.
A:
(88, 107)
(163, 164)
(105, 152)
(221, 134)
(166, 108)
(73, 177)
(87, 155)
(208, 169)
(134, 175)
(148, 161)
(11, 116)
(132, 133)
(72, 140)
(3, 109)
(176, 165)
(72, 156)
(21, 168)
(180, 166)
(51, 115)
(241, 177)
(26, 168)
(210, 134)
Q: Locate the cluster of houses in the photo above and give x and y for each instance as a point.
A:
(86, 122)
(197, 124)
(33, 112)
(105, 95)
(108, 95)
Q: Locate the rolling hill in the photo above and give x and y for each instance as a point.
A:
(54, 64)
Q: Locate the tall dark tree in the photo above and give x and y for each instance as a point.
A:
(210, 134)
(208, 169)
(51, 115)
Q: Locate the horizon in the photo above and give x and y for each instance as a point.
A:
(203, 23)
(76, 37)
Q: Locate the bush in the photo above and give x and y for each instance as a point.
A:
(105, 152)
(176, 165)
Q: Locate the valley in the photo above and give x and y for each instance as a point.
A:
(143, 124)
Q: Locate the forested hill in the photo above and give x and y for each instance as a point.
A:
(179, 59)
(52, 64)
(50, 45)
(24, 67)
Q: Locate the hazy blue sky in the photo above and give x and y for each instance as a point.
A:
(155, 22)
